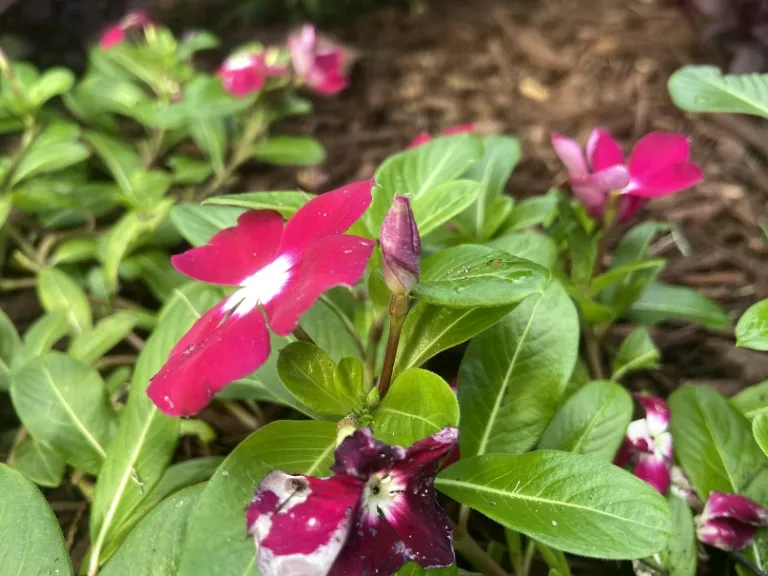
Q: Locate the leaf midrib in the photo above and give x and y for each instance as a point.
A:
(724, 86)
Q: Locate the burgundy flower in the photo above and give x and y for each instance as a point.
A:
(377, 512)
(729, 521)
(280, 270)
(400, 247)
(115, 35)
(319, 63)
(658, 165)
(647, 445)
(423, 138)
(245, 73)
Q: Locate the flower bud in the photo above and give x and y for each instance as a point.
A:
(729, 521)
(400, 247)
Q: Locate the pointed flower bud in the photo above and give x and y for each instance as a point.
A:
(729, 521)
(400, 247)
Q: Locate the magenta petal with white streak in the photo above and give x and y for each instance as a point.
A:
(656, 412)
(741, 508)
(726, 534)
(281, 270)
(652, 469)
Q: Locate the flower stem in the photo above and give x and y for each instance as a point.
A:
(474, 553)
(398, 310)
(594, 356)
(747, 563)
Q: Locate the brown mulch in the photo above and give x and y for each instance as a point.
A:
(531, 67)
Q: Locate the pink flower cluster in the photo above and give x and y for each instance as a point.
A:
(115, 35)
(658, 165)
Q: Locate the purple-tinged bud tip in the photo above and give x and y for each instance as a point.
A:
(725, 534)
(729, 521)
(400, 247)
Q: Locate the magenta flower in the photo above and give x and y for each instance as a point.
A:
(658, 165)
(115, 35)
(280, 270)
(423, 138)
(400, 247)
(729, 521)
(377, 512)
(647, 447)
(319, 63)
(245, 73)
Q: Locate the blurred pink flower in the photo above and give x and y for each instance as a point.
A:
(280, 270)
(423, 138)
(658, 165)
(115, 35)
(245, 73)
(729, 521)
(319, 63)
(647, 447)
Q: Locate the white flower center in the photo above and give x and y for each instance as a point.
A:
(381, 493)
(261, 287)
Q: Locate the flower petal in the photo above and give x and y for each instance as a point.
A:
(656, 151)
(332, 261)
(424, 456)
(656, 413)
(670, 180)
(112, 36)
(726, 534)
(639, 435)
(459, 129)
(652, 469)
(216, 351)
(590, 195)
(361, 455)
(629, 205)
(300, 523)
(625, 454)
(570, 154)
(329, 214)
(422, 138)
(603, 151)
(236, 253)
(611, 179)
(326, 76)
(243, 74)
(721, 505)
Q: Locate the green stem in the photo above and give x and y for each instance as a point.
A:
(27, 248)
(27, 138)
(594, 355)
(398, 310)
(372, 349)
(747, 563)
(474, 553)
(530, 550)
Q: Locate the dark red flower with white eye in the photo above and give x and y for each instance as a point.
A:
(320, 64)
(729, 521)
(115, 35)
(280, 269)
(647, 446)
(658, 165)
(246, 72)
(423, 138)
(377, 512)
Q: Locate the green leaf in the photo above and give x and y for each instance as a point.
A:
(141, 450)
(51, 83)
(514, 374)
(63, 404)
(435, 207)
(752, 328)
(706, 89)
(37, 462)
(637, 352)
(74, 251)
(413, 172)
(210, 135)
(593, 421)
(555, 559)
(125, 233)
(332, 329)
(289, 151)
(121, 160)
(752, 399)
(500, 156)
(663, 301)
(429, 329)
(621, 274)
(105, 335)
(216, 543)
(418, 404)
(470, 275)
(570, 502)
(41, 337)
(197, 224)
(582, 247)
(413, 569)
(188, 170)
(32, 541)
(760, 429)
(539, 210)
(635, 244)
(308, 373)
(713, 441)
(10, 343)
(153, 268)
(5, 210)
(350, 376)
(287, 203)
(155, 546)
(58, 291)
(533, 246)
(54, 149)
(681, 553)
